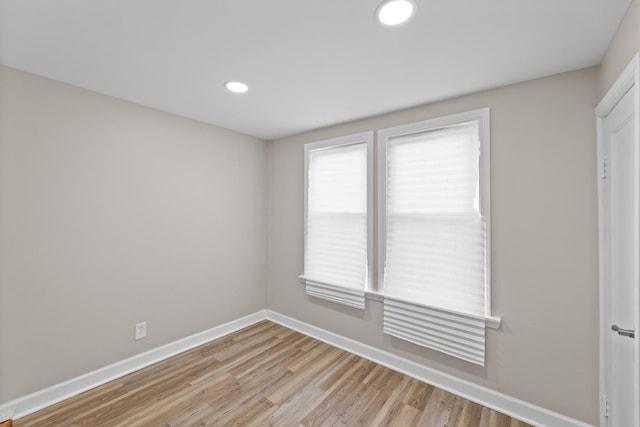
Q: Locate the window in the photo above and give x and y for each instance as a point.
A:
(433, 259)
(434, 208)
(338, 220)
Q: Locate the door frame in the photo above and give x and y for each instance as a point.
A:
(628, 80)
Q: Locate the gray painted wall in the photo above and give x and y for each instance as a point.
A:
(623, 47)
(545, 254)
(110, 214)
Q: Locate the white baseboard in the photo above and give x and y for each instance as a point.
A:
(41, 399)
(492, 399)
(508, 405)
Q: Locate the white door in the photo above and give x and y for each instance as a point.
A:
(620, 249)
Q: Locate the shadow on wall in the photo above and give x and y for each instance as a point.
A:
(343, 309)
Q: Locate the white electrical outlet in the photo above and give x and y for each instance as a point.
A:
(140, 331)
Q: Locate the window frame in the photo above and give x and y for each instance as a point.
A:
(366, 138)
(482, 116)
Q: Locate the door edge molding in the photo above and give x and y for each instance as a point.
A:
(629, 79)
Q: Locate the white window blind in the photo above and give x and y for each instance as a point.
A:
(337, 223)
(434, 234)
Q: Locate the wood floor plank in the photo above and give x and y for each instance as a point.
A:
(391, 391)
(405, 415)
(301, 403)
(266, 375)
(471, 415)
(418, 395)
(338, 400)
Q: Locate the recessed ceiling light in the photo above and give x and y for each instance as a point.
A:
(395, 12)
(236, 87)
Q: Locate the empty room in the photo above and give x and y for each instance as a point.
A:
(297, 213)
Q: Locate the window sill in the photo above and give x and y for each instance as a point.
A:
(492, 322)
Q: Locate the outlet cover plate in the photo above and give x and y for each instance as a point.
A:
(140, 331)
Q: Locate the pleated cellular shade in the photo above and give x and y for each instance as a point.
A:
(434, 259)
(335, 264)
(456, 334)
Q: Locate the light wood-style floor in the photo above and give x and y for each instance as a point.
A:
(266, 375)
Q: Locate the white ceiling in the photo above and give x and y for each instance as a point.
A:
(309, 63)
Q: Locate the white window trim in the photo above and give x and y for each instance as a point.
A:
(480, 115)
(490, 322)
(359, 138)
